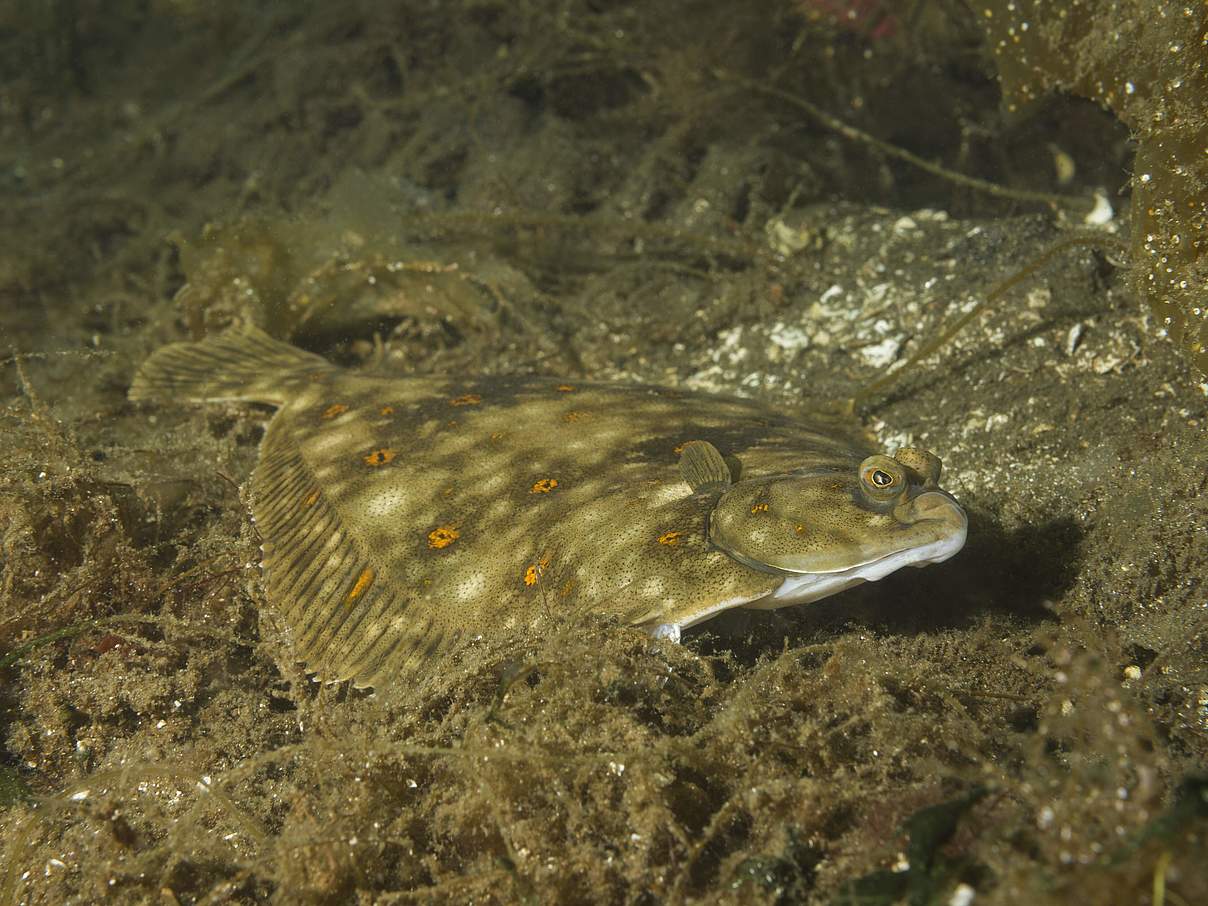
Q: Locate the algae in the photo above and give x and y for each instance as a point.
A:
(585, 160)
(1149, 65)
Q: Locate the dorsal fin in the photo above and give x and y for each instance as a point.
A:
(703, 467)
(244, 364)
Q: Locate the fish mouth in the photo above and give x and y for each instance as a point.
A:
(950, 520)
(936, 510)
(930, 506)
(806, 587)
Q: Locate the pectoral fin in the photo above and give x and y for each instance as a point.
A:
(703, 468)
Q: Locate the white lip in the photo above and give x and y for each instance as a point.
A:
(804, 588)
(808, 587)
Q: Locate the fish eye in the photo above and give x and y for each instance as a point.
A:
(881, 477)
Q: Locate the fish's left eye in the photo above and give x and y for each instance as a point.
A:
(881, 478)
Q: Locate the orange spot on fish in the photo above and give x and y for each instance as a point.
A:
(544, 486)
(759, 508)
(311, 499)
(572, 416)
(334, 409)
(670, 538)
(680, 448)
(380, 457)
(565, 388)
(386, 410)
(364, 580)
(533, 574)
(468, 399)
(799, 529)
(442, 536)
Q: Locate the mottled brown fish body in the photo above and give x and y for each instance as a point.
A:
(478, 503)
(400, 515)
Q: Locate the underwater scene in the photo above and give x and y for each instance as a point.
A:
(600, 451)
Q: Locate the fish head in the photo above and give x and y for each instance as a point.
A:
(825, 530)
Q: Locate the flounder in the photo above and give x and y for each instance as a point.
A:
(402, 515)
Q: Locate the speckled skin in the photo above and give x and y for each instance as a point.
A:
(402, 514)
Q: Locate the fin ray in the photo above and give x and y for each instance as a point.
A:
(343, 612)
(703, 467)
(246, 364)
(348, 616)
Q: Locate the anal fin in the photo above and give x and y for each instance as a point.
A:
(348, 617)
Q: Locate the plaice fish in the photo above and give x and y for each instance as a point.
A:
(400, 516)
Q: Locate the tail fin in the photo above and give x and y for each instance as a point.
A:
(241, 365)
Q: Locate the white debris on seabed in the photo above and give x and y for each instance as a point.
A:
(785, 340)
(891, 438)
(1073, 338)
(875, 296)
(930, 215)
(726, 354)
(765, 380)
(711, 380)
(730, 347)
(880, 355)
(871, 316)
(1101, 214)
(787, 236)
(824, 309)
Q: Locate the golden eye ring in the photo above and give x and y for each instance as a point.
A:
(881, 477)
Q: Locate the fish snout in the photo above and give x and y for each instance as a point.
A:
(935, 505)
(937, 513)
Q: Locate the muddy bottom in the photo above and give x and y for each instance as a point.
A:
(607, 192)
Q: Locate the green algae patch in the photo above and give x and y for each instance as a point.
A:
(1148, 64)
(13, 788)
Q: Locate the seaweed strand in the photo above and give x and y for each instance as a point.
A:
(1094, 241)
(851, 133)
